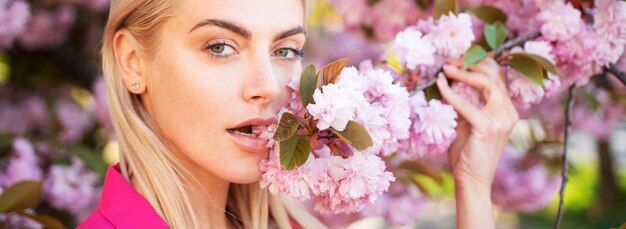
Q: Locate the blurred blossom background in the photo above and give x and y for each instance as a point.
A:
(57, 140)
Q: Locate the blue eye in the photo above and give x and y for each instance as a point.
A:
(219, 49)
(289, 53)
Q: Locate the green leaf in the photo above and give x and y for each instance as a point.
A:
(623, 226)
(355, 135)
(434, 188)
(308, 83)
(422, 168)
(432, 92)
(294, 151)
(423, 4)
(489, 14)
(444, 7)
(545, 64)
(92, 159)
(529, 67)
(473, 56)
(46, 221)
(287, 126)
(6, 140)
(330, 72)
(20, 196)
(495, 34)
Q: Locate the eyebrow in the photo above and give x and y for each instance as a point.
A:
(289, 33)
(240, 30)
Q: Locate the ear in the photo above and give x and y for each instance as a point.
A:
(128, 61)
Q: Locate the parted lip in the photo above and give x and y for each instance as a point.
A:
(255, 121)
(253, 144)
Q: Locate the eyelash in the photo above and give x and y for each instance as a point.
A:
(212, 44)
(299, 54)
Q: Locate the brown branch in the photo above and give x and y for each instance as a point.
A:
(568, 127)
(423, 86)
(515, 42)
(621, 75)
(508, 45)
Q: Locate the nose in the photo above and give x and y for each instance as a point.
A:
(261, 87)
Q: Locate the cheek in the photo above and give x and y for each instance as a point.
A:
(284, 74)
(186, 97)
(193, 103)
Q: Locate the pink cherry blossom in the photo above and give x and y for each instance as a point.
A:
(73, 118)
(525, 188)
(610, 24)
(332, 107)
(391, 16)
(400, 205)
(437, 122)
(23, 165)
(48, 28)
(452, 34)
(413, 48)
(74, 179)
(14, 16)
(432, 129)
(561, 21)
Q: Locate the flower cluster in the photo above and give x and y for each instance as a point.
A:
(385, 17)
(523, 92)
(581, 49)
(423, 47)
(339, 174)
(58, 181)
(75, 179)
(520, 185)
(433, 127)
(14, 15)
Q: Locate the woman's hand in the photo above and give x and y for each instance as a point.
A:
(482, 134)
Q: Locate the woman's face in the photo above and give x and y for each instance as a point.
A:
(220, 68)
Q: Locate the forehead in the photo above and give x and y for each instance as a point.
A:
(258, 16)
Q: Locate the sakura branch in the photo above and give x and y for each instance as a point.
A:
(516, 42)
(568, 127)
(506, 46)
(621, 75)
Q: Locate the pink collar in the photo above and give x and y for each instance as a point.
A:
(123, 207)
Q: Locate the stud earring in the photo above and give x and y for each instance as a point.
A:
(135, 86)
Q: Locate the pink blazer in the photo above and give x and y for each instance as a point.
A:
(122, 207)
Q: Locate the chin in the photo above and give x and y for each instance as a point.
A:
(248, 180)
(247, 175)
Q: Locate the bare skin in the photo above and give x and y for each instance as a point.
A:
(221, 63)
(482, 135)
(218, 64)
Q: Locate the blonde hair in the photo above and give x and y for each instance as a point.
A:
(144, 155)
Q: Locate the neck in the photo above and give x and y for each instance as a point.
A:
(207, 193)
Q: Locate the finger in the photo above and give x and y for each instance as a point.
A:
(476, 80)
(466, 109)
(458, 62)
(463, 130)
(488, 66)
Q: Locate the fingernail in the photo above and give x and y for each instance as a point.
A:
(448, 67)
(441, 78)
